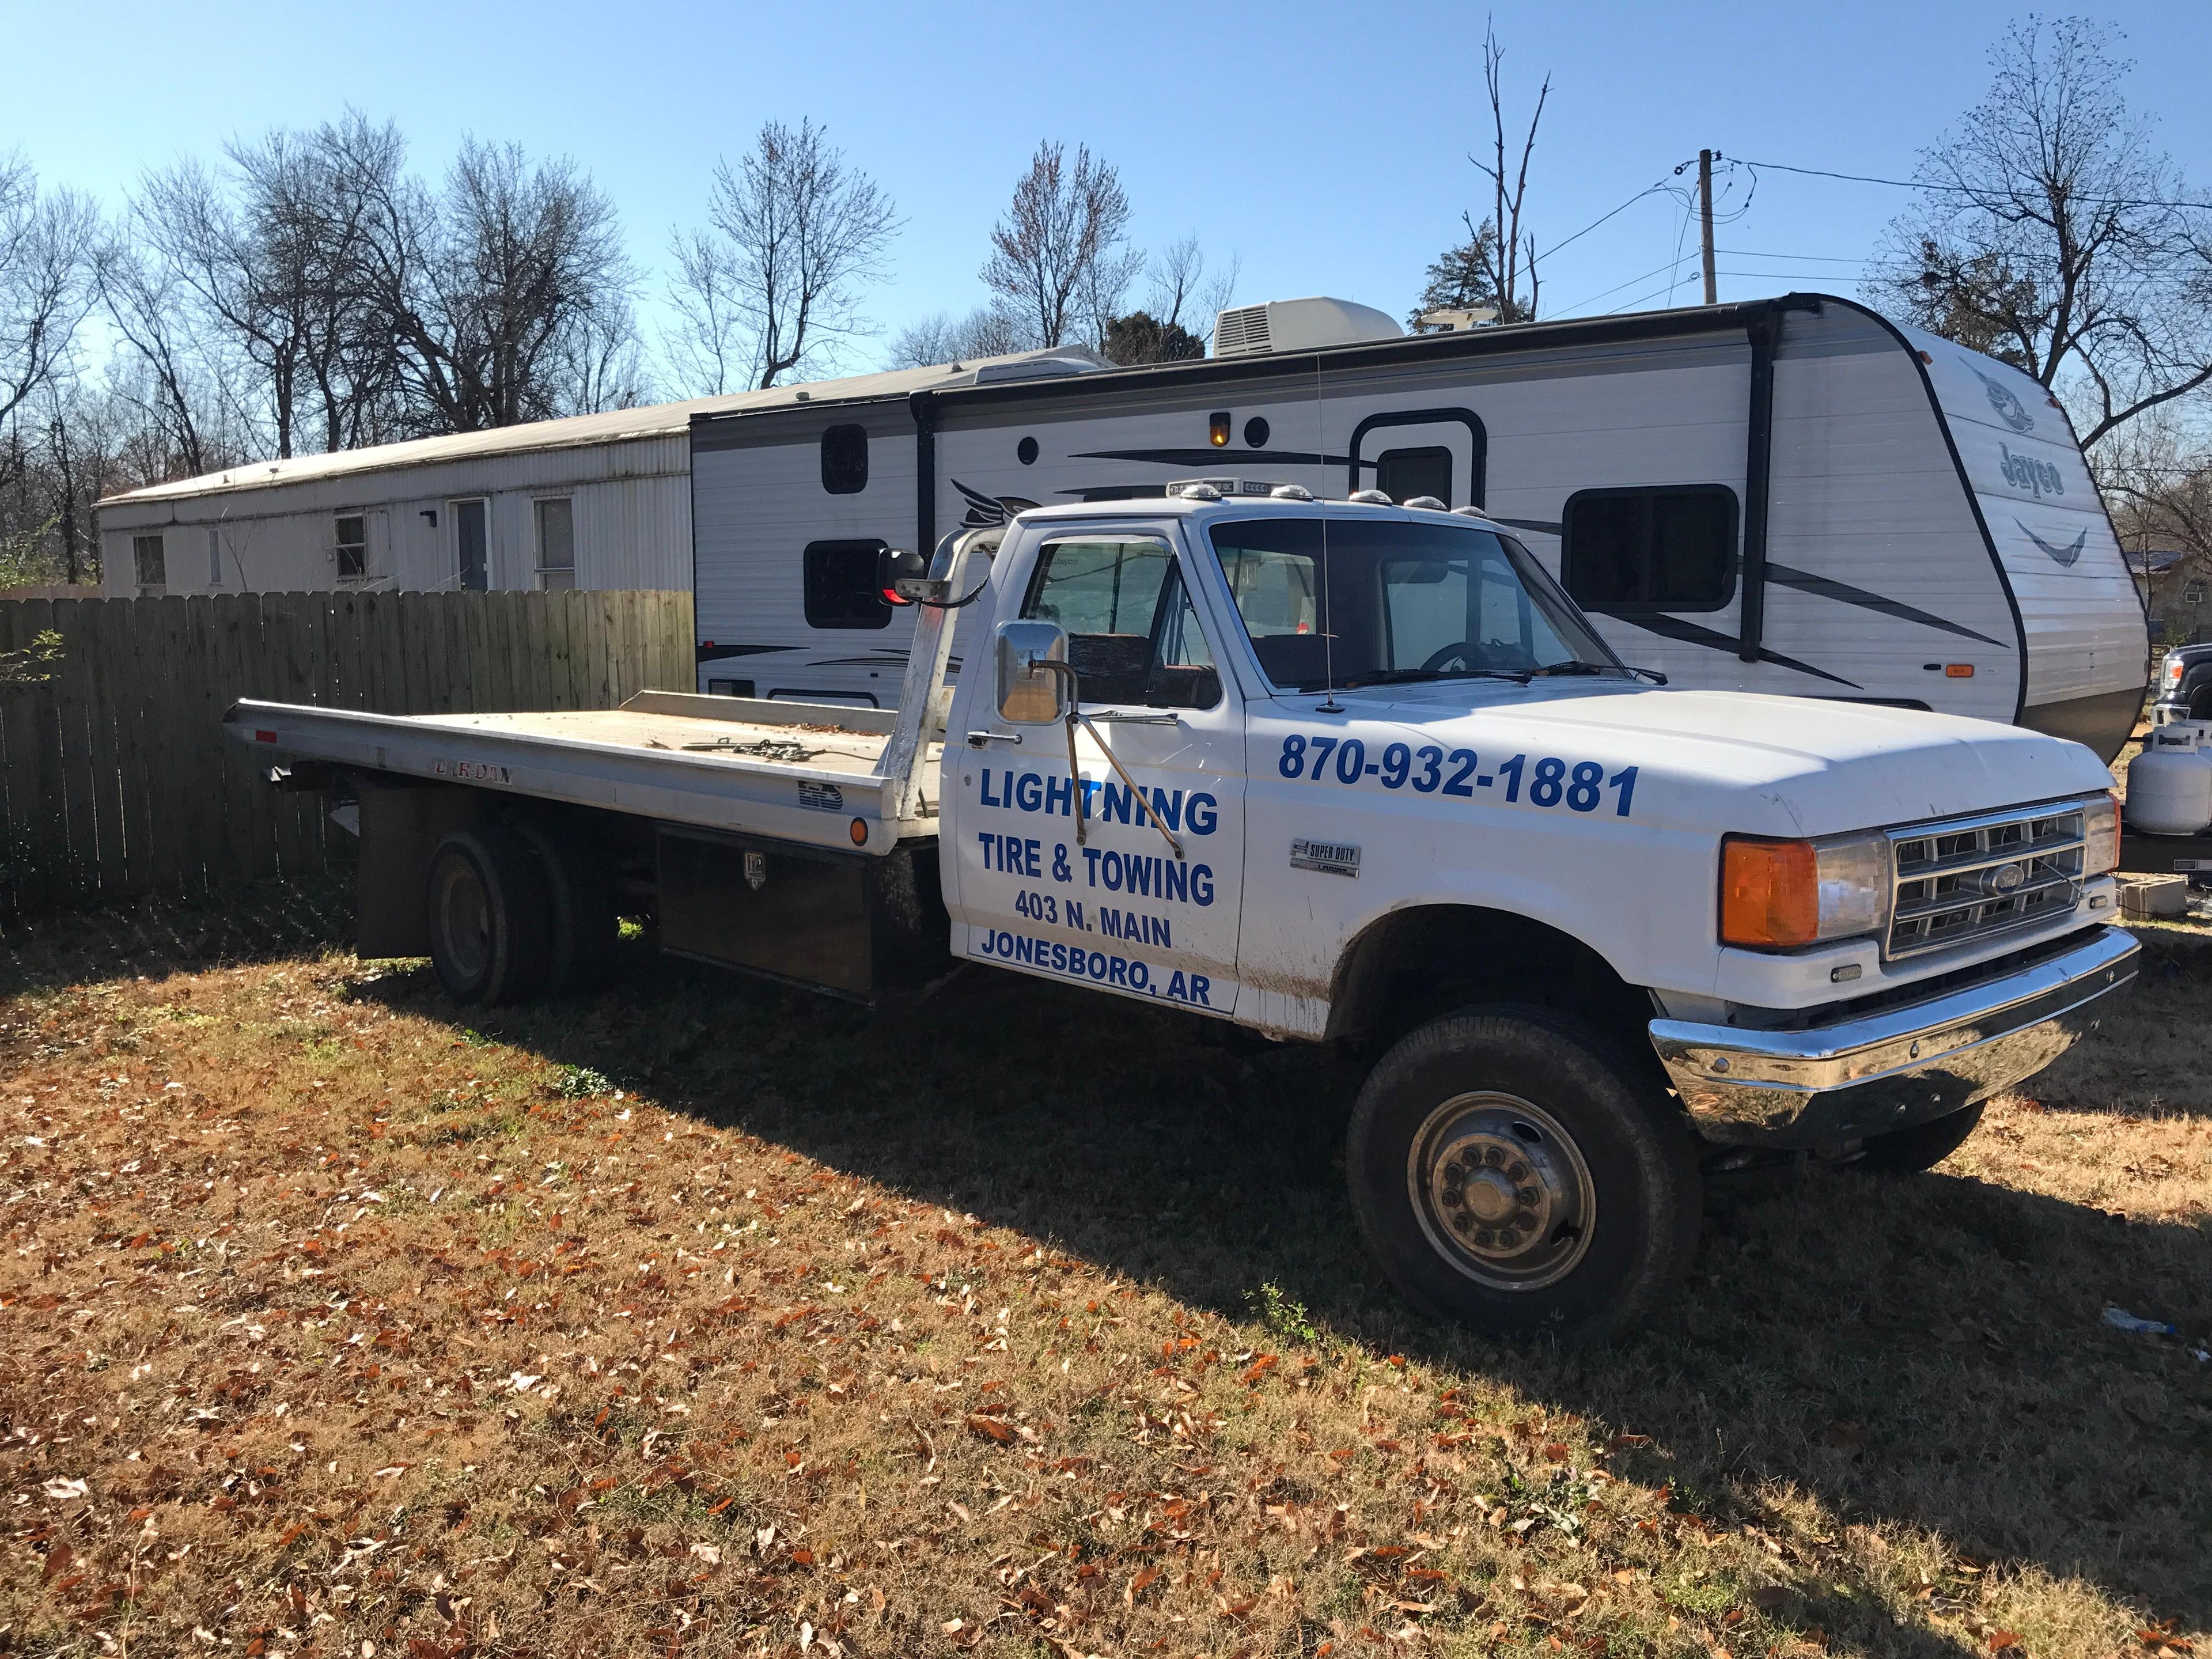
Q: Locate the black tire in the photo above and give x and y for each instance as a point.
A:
(1528, 1117)
(1907, 1152)
(491, 923)
(582, 899)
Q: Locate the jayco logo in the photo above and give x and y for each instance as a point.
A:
(2038, 478)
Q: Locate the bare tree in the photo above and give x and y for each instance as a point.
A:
(796, 233)
(2051, 233)
(1060, 257)
(486, 289)
(1495, 268)
(1181, 293)
(989, 330)
(47, 244)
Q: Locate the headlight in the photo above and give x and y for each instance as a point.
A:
(2173, 671)
(2101, 835)
(1778, 893)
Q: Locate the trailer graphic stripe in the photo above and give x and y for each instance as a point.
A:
(1688, 633)
(1829, 588)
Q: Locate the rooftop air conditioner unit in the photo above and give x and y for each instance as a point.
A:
(1283, 325)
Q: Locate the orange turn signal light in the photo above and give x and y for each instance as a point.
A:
(1217, 429)
(1958, 671)
(859, 832)
(1770, 892)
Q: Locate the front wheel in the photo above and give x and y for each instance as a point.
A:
(1508, 1171)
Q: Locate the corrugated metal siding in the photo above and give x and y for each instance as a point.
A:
(633, 507)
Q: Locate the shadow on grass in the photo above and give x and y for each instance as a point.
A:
(1927, 1350)
(265, 922)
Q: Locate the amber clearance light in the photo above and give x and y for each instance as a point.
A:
(1770, 892)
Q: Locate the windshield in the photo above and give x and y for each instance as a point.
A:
(1398, 601)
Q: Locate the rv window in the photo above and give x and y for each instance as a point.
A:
(1671, 548)
(556, 543)
(352, 539)
(1402, 474)
(840, 586)
(1133, 636)
(845, 460)
(146, 554)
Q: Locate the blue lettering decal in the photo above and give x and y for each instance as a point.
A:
(1110, 922)
(1004, 942)
(1059, 796)
(1140, 977)
(1091, 864)
(1097, 964)
(1117, 805)
(987, 801)
(1141, 874)
(1120, 974)
(1174, 881)
(1200, 989)
(1075, 916)
(1155, 933)
(1091, 798)
(1201, 813)
(1202, 883)
(1032, 852)
(1110, 866)
(1175, 988)
(1029, 792)
(1168, 804)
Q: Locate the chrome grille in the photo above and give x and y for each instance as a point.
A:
(1972, 877)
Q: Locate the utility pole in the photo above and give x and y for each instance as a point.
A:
(1705, 221)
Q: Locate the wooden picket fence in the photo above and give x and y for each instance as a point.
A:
(116, 778)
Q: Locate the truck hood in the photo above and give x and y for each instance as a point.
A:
(1748, 763)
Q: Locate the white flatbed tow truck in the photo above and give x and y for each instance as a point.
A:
(1335, 771)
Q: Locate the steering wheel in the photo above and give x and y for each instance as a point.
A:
(1459, 655)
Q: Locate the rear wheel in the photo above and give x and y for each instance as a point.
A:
(1903, 1151)
(584, 926)
(1508, 1171)
(490, 916)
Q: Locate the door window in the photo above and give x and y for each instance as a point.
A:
(1133, 635)
(1403, 474)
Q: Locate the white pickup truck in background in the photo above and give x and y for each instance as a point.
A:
(1339, 772)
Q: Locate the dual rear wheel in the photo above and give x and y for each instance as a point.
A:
(517, 911)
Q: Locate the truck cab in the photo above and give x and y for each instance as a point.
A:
(1362, 773)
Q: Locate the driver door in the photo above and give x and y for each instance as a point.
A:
(1114, 907)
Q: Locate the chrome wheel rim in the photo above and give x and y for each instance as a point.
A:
(464, 919)
(1502, 1191)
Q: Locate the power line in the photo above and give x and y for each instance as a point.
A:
(1801, 258)
(1967, 189)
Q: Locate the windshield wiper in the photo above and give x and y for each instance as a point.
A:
(1410, 676)
(1580, 667)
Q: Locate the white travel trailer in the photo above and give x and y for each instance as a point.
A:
(1791, 496)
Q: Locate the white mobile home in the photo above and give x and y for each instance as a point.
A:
(1793, 496)
(594, 500)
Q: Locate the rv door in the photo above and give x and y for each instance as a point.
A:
(1408, 453)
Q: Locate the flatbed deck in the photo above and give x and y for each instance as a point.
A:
(799, 772)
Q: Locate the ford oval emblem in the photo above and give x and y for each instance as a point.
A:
(2006, 878)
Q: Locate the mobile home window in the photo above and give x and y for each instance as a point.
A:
(556, 543)
(840, 586)
(352, 546)
(1671, 548)
(152, 568)
(845, 460)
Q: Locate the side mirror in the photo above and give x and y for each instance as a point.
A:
(1035, 686)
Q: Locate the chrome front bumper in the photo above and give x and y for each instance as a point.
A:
(1893, 1069)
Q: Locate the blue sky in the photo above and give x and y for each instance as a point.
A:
(1324, 145)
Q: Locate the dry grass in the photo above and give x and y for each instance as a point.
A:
(707, 1317)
